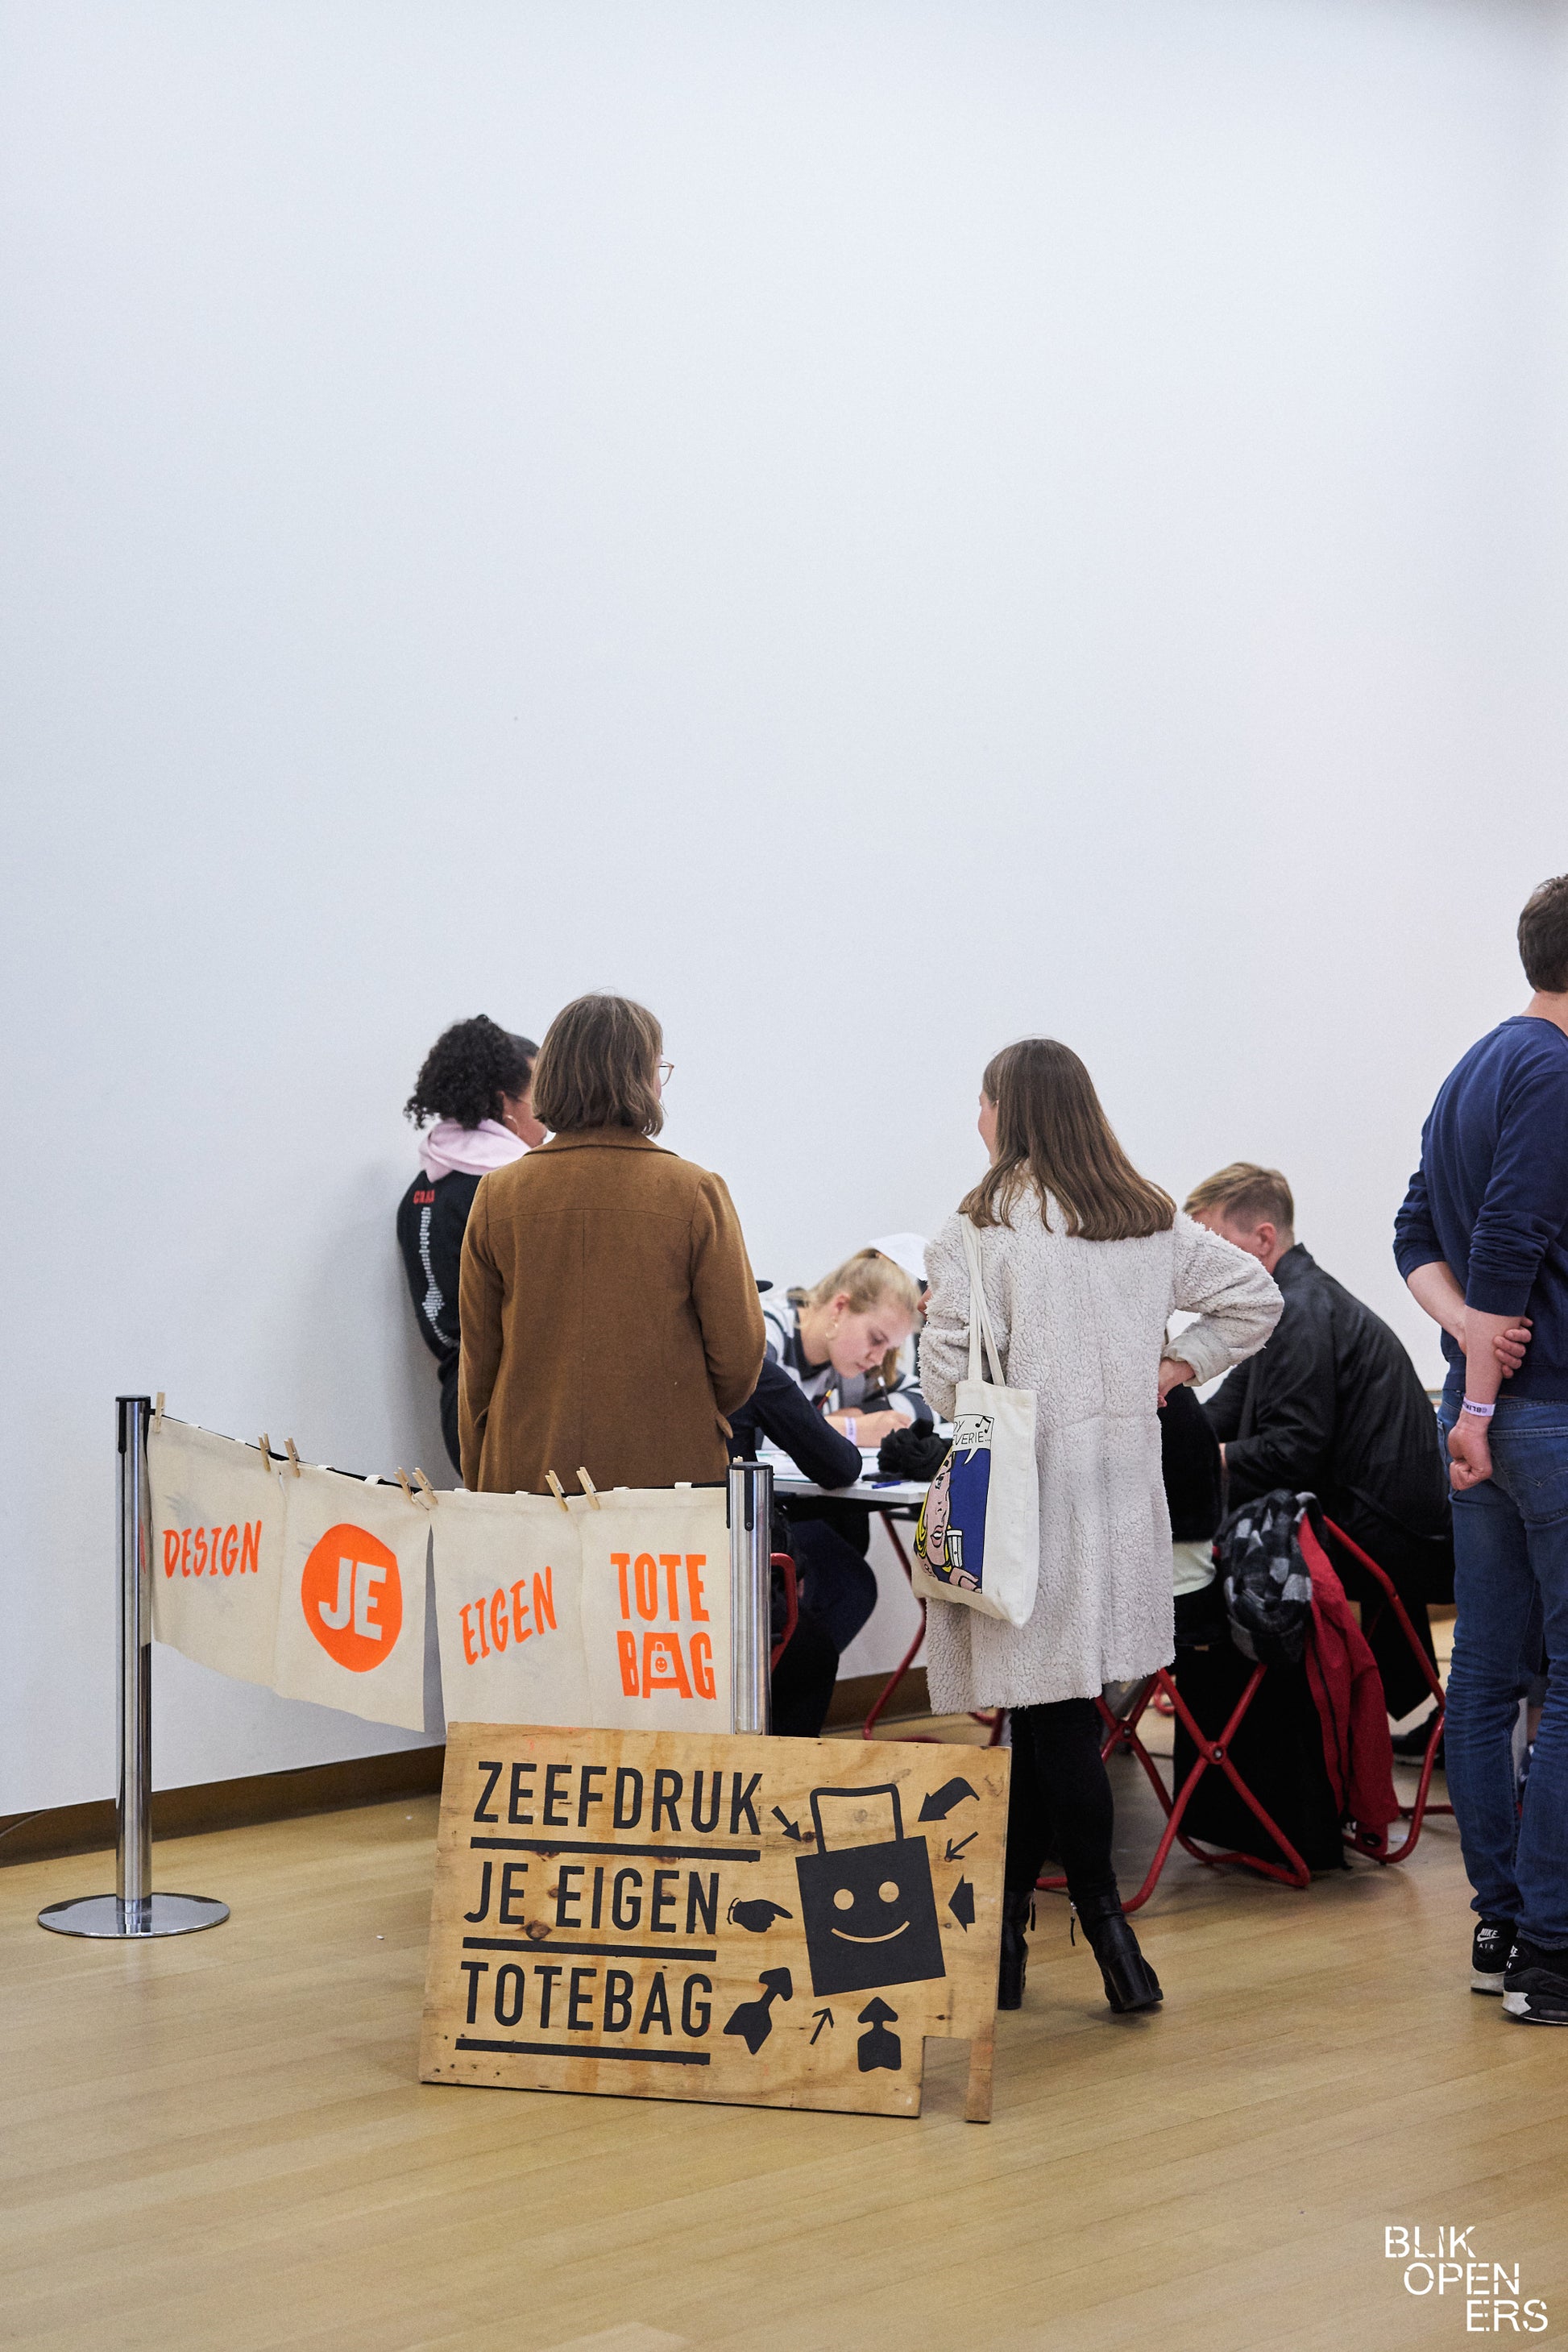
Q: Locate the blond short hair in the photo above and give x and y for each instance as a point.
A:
(1246, 1195)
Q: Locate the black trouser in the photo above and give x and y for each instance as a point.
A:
(1060, 1799)
(837, 1591)
(449, 1413)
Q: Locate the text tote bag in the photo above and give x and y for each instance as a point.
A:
(978, 1541)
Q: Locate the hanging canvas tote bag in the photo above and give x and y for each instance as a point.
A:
(978, 1541)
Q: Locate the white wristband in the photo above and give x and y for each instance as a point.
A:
(850, 1426)
(1478, 1411)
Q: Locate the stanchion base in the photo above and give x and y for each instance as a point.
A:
(158, 1914)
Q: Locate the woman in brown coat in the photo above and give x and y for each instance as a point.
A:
(609, 1312)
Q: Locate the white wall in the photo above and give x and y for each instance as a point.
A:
(876, 529)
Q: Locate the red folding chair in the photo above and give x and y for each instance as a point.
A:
(1213, 1753)
(992, 1717)
(785, 1563)
(1414, 1814)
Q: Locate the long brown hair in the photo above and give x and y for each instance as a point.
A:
(1052, 1133)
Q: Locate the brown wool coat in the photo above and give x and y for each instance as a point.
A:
(609, 1316)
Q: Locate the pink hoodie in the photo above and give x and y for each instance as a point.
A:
(449, 1150)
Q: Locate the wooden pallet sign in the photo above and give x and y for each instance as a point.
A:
(675, 1914)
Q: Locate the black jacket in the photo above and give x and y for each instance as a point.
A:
(432, 1218)
(1332, 1405)
(1189, 1464)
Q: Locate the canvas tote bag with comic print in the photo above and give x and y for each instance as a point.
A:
(978, 1541)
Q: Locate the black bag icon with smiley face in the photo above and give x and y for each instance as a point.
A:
(868, 1911)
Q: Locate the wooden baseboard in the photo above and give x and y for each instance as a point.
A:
(853, 1696)
(227, 1805)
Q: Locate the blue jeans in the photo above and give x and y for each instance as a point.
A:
(1510, 1581)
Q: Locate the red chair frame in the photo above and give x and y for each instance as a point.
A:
(992, 1717)
(1159, 1690)
(785, 1563)
(1414, 1814)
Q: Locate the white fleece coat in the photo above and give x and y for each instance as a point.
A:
(1083, 1324)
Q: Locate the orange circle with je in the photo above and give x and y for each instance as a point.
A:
(353, 1598)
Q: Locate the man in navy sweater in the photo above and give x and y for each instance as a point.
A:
(1482, 1241)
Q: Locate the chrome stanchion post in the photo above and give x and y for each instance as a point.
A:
(133, 1910)
(751, 1507)
(133, 1804)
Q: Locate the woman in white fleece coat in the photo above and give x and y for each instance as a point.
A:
(1084, 1264)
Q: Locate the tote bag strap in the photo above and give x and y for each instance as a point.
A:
(979, 1316)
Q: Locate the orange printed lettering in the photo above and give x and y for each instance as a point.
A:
(479, 1608)
(663, 1667)
(520, 1632)
(544, 1599)
(230, 1549)
(694, 1560)
(171, 1550)
(250, 1549)
(647, 1574)
(621, 1561)
(470, 1652)
(671, 1561)
(702, 1667)
(499, 1627)
(626, 1644)
(184, 1552)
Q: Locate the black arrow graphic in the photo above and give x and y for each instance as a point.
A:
(961, 1903)
(752, 2021)
(791, 1829)
(877, 2047)
(954, 1850)
(824, 2017)
(938, 1806)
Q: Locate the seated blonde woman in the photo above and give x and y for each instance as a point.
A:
(832, 1382)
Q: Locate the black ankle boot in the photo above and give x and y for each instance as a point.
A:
(1130, 1982)
(1017, 1914)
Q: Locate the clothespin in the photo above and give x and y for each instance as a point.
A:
(589, 1488)
(421, 1480)
(266, 1453)
(293, 1457)
(158, 1411)
(403, 1482)
(554, 1483)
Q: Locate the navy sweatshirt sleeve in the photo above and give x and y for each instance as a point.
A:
(1526, 1202)
(1416, 1241)
(778, 1407)
(1491, 1197)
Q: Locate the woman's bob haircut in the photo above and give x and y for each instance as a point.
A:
(1053, 1139)
(598, 1066)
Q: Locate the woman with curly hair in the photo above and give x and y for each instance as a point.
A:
(477, 1084)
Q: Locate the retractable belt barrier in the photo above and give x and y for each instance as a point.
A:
(635, 1609)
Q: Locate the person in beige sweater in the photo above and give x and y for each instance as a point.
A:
(609, 1315)
(1083, 1263)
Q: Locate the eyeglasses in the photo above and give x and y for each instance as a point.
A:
(666, 1072)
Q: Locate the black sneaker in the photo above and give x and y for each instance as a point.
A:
(1488, 1954)
(1535, 1989)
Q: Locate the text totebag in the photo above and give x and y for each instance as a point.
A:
(217, 1550)
(351, 1614)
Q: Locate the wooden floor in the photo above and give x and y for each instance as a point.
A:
(219, 2142)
